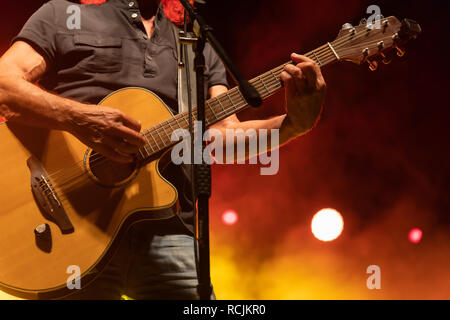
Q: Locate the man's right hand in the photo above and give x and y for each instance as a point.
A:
(108, 131)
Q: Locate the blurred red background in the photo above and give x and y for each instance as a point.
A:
(379, 156)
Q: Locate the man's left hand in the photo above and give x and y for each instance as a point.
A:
(305, 93)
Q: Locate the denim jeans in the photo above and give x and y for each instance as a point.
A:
(147, 266)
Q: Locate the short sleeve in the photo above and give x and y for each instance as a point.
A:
(216, 72)
(40, 32)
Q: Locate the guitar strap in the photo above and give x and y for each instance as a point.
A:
(189, 55)
(184, 98)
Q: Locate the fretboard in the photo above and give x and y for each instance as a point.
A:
(221, 107)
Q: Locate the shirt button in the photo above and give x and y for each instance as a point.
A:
(134, 15)
(131, 4)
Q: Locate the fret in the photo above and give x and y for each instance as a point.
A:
(241, 99)
(156, 142)
(277, 84)
(317, 59)
(235, 94)
(232, 104)
(178, 124)
(212, 109)
(220, 103)
(142, 155)
(162, 125)
(270, 85)
(334, 51)
(240, 96)
(186, 120)
(264, 85)
(170, 125)
(159, 135)
(148, 142)
(276, 77)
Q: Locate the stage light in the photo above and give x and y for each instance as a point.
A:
(230, 217)
(327, 224)
(415, 235)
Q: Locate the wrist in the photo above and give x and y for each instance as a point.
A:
(71, 116)
(290, 128)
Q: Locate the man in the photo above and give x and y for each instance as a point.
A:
(124, 43)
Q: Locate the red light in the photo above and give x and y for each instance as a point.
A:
(415, 235)
(230, 217)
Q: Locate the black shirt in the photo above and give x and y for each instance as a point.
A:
(111, 51)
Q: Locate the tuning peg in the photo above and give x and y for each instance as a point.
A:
(363, 22)
(347, 26)
(400, 52)
(373, 65)
(385, 60)
(385, 25)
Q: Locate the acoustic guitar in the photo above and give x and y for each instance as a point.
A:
(63, 205)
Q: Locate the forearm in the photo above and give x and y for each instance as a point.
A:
(283, 124)
(24, 102)
(254, 137)
(286, 129)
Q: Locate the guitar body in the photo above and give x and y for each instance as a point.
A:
(31, 264)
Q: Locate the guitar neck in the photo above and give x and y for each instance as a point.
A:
(267, 84)
(228, 103)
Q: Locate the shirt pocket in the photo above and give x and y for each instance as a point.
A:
(102, 54)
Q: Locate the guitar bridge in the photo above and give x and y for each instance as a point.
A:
(47, 198)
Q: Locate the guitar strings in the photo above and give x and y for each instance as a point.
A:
(163, 125)
(168, 123)
(268, 85)
(324, 59)
(84, 174)
(274, 84)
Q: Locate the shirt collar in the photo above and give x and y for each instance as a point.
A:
(132, 4)
(163, 32)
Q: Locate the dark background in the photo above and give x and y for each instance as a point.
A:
(380, 155)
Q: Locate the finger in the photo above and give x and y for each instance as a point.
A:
(126, 134)
(298, 58)
(131, 123)
(112, 154)
(310, 73)
(285, 76)
(313, 75)
(121, 145)
(297, 77)
(288, 81)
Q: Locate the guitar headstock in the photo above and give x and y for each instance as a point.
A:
(369, 42)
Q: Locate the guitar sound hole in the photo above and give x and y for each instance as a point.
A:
(109, 173)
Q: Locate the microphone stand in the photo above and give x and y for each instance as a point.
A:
(202, 172)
